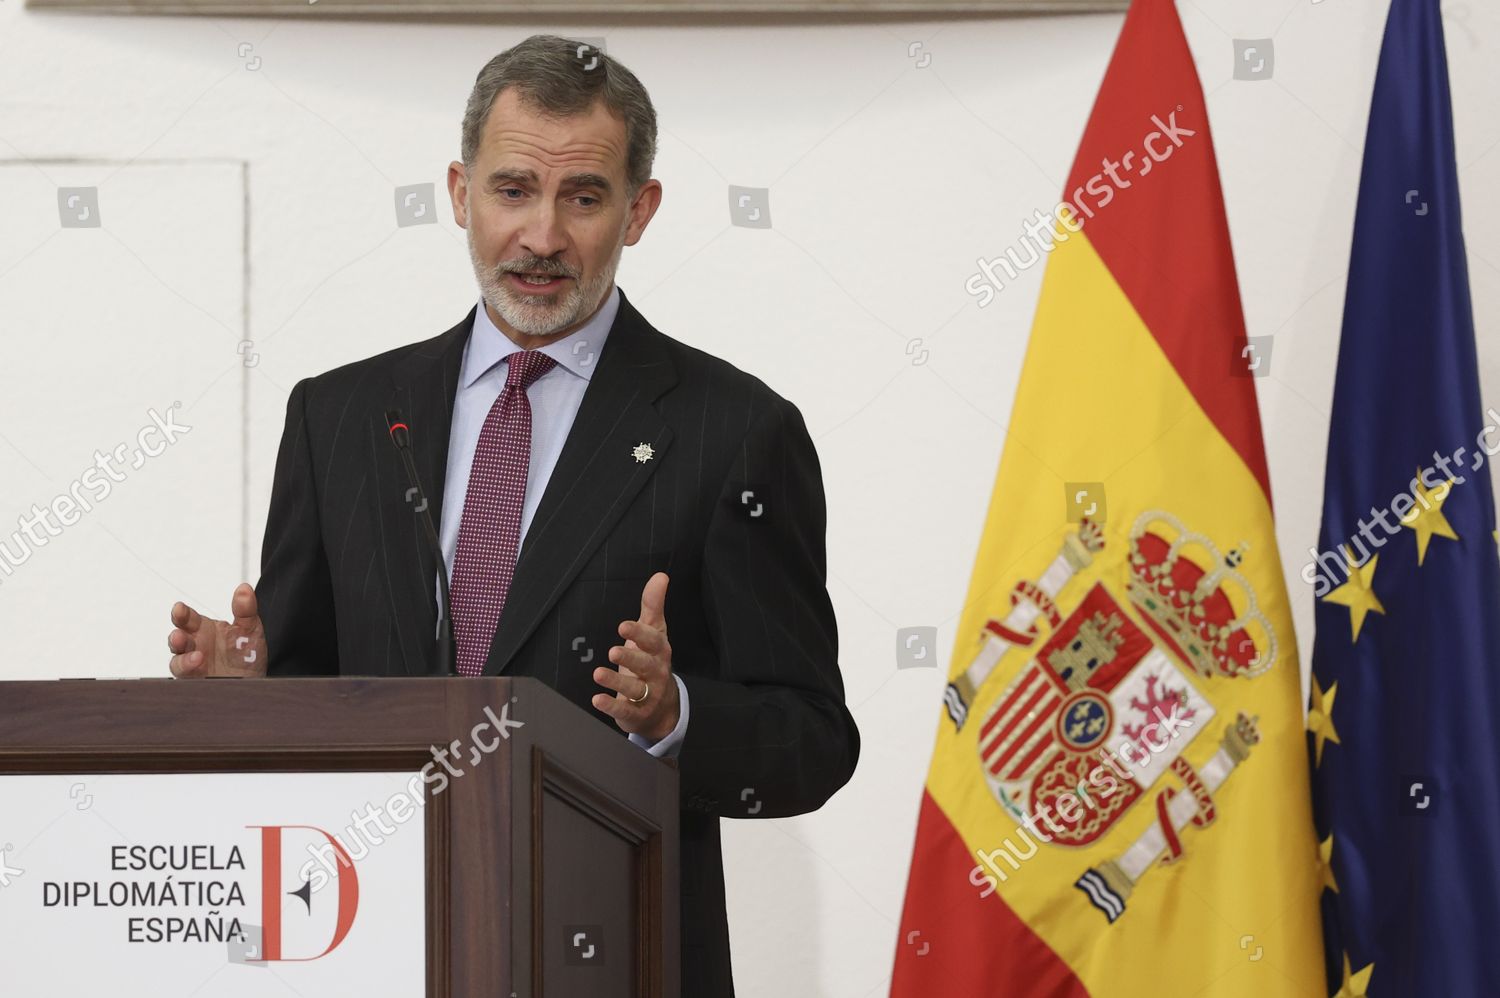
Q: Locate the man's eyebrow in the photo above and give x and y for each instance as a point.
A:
(504, 175)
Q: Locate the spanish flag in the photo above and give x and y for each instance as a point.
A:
(1118, 802)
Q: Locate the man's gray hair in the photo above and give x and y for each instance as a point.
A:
(553, 77)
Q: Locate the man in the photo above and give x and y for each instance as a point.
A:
(594, 479)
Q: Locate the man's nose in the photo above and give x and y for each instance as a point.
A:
(543, 234)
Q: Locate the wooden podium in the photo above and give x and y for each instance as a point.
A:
(562, 825)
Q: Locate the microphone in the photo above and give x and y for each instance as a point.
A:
(401, 437)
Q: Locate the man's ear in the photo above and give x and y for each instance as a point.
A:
(647, 200)
(458, 193)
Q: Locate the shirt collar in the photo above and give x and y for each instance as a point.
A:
(579, 351)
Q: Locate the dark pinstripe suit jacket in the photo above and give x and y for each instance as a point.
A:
(346, 582)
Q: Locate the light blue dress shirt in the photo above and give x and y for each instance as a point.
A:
(555, 398)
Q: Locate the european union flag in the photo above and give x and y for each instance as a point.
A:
(1406, 664)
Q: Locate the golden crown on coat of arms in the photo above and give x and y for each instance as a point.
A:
(1187, 590)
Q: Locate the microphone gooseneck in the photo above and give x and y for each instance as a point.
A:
(401, 437)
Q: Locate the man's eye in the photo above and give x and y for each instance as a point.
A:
(591, 201)
(509, 190)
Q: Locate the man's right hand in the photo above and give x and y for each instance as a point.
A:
(202, 646)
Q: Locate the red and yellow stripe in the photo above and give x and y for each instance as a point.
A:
(1134, 378)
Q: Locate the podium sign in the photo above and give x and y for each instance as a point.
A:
(206, 880)
(402, 837)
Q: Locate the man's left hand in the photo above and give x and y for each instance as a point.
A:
(645, 667)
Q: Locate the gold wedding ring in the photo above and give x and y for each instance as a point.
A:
(644, 694)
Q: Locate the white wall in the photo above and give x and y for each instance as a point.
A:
(887, 181)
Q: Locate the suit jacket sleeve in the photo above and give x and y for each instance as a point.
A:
(770, 734)
(295, 593)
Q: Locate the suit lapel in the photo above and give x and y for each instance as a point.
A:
(596, 476)
(424, 390)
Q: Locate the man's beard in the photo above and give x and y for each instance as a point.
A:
(541, 315)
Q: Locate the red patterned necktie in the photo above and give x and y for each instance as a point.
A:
(489, 533)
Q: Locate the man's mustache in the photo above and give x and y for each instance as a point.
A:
(536, 267)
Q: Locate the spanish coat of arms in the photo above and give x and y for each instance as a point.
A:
(1111, 697)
